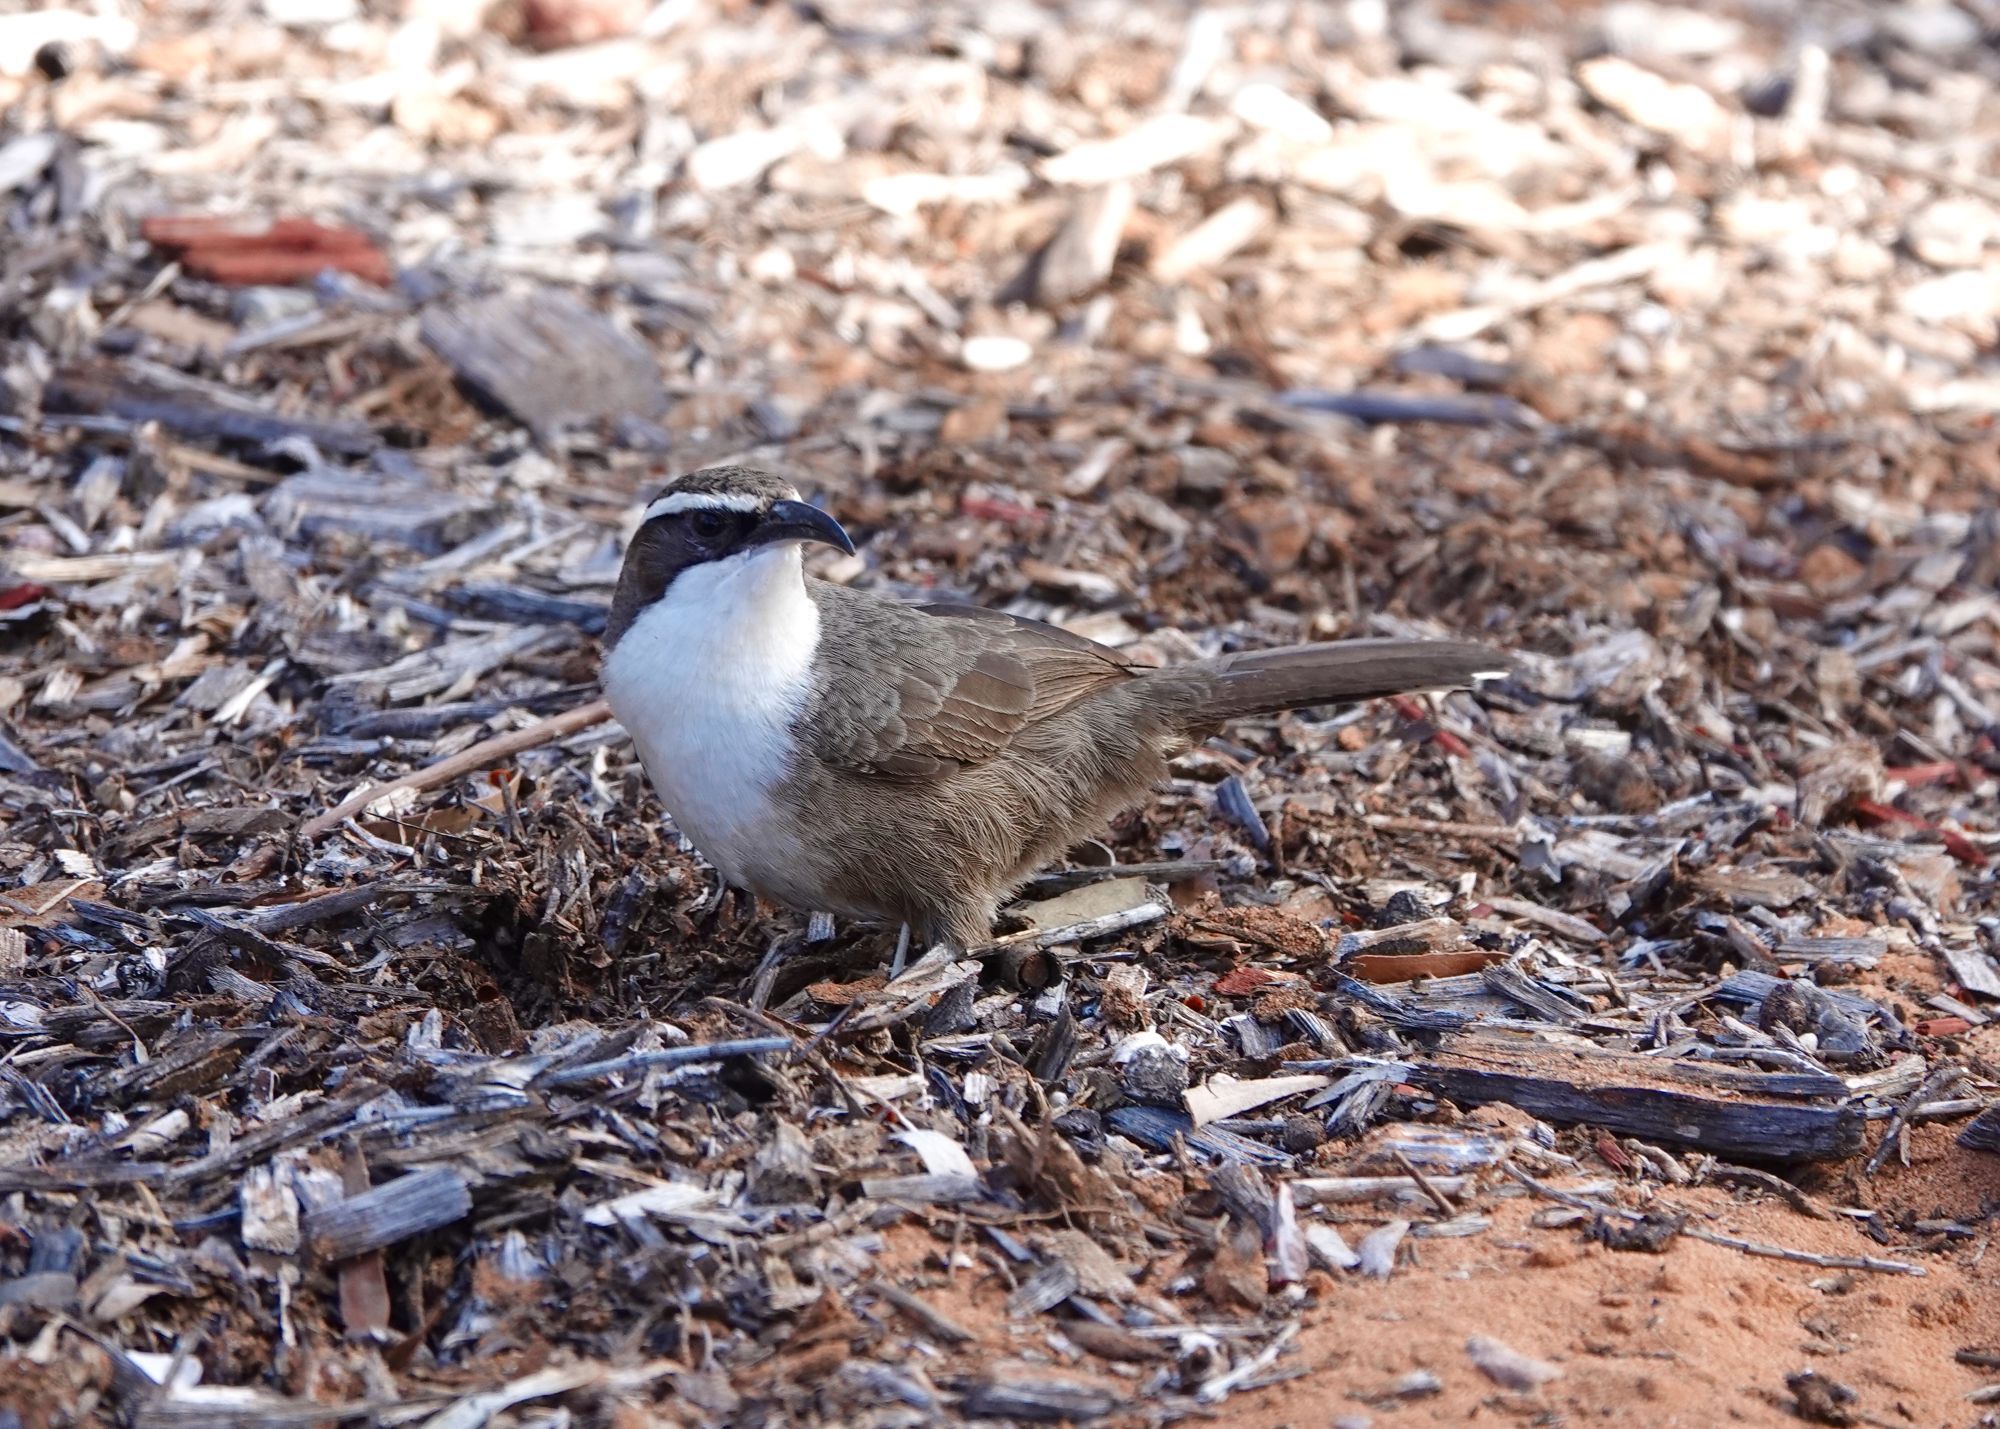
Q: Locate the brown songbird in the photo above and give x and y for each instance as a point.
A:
(843, 752)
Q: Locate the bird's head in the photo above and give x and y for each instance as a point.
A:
(709, 532)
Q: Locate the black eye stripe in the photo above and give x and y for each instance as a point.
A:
(710, 525)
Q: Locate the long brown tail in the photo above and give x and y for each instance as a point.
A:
(1256, 682)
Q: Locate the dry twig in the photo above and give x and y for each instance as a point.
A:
(466, 761)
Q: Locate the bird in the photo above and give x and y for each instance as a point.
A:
(842, 752)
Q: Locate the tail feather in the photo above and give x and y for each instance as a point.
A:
(1255, 682)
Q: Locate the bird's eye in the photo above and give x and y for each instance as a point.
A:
(709, 525)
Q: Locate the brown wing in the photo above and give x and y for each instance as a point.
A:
(913, 692)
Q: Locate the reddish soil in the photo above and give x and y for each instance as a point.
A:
(1695, 1335)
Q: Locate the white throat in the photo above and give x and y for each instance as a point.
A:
(707, 680)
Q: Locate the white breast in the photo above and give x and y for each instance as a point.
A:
(707, 681)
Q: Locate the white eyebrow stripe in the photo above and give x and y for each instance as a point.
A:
(675, 502)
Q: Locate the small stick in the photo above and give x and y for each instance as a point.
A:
(840, 1223)
(1403, 824)
(810, 1052)
(665, 1057)
(1554, 1193)
(1806, 1257)
(1938, 1082)
(1222, 1384)
(139, 1053)
(1776, 1185)
(16, 906)
(767, 971)
(1729, 1242)
(927, 1315)
(466, 761)
(1438, 1198)
(1100, 927)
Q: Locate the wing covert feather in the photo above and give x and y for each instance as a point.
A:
(914, 692)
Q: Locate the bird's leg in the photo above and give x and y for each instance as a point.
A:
(710, 906)
(902, 952)
(819, 927)
(766, 976)
(739, 904)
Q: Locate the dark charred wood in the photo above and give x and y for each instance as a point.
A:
(1740, 1129)
(386, 1214)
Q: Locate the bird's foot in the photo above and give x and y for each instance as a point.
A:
(710, 906)
(766, 976)
(725, 905)
(937, 955)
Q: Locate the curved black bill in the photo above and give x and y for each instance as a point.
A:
(799, 521)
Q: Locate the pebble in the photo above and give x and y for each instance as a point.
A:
(903, 194)
(740, 158)
(1933, 27)
(1267, 107)
(1637, 27)
(774, 265)
(1214, 239)
(305, 13)
(1970, 296)
(1860, 260)
(1152, 144)
(1752, 218)
(995, 353)
(1508, 1367)
(1155, 1076)
(1328, 1249)
(260, 307)
(1416, 1384)
(1685, 112)
(1377, 1252)
(1953, 232)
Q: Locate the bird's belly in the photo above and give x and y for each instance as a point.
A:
(716, 752)
(708, 680)
(715, 779)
